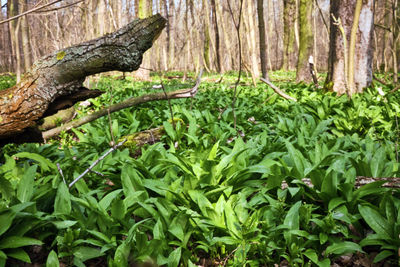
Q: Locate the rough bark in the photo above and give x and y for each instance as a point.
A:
(306, 41)
(289, 16)
(62, 73)
(337, 76)
(261, 32)
(217, 41)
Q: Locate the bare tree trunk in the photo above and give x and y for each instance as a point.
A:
(337, 78)
(261, 32)
(207, 38)
(306, 41)
(56, 78)
(26, 45)
(216, 32)
(289, 16)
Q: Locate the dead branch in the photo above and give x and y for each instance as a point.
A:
(278, 91)
(130, 102)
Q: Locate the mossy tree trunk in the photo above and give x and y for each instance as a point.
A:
(289, 16)
(351, 46)
(59, 76)
(306, 41)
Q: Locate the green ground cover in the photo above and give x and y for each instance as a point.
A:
(206, 194)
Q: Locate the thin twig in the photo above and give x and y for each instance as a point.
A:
(322, 16)
(397, 138)
(169, 103)
(237, 26)
(278, 91)
(61, 7)
(96, 162)
(109, 119)
(29, 11)
(61, 172)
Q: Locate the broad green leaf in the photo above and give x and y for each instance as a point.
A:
(26, 186)
(292, 217)
(213, 153)
(18, 241)
(378, 162)
(343, 248)
(62, 204)
(100, 236)
(118, 209)
(6, 188)
(5, 221)
(106, 201)
(3, 255)
(383, 255)
(175, 257)
(158, 232)
(52, 260)
(122, 254)
(64, 224)
(375, 220)
(87, 253)
(44, 163)
(19, 254)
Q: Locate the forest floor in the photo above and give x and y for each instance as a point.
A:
(281, 189)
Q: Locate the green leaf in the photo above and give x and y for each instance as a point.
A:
(6, 188)
(376, 221)
(62, 204)
(106, 201)
(343, 248)
(3, 255)
(52, 260)
(292, 217)
(18, 241)
(378, 162)
(175, 257)
(122, 254)
(100, 236)
(44, 163)
(64, 224)
(87, 253)
(213, 153)
(158, 232)
(26, 186)
(118, 209)
(19, 254)
(5, 221)
(383, 255)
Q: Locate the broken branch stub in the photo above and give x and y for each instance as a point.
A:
(61, 74)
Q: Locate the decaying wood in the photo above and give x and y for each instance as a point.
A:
(278, 91)
(130, 102)
(60, 75)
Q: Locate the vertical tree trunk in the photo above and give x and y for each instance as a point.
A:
(26, 45)
(206, 25)
(216, 32)
(145, 8)
(306, 41)
(252, 40)
(395, 36)
(289, 15)
(337, 78)
(261, 32)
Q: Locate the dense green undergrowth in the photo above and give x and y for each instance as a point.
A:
(208, 193)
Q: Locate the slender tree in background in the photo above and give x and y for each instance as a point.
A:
(261, 32)
(289, 17)
(207, 38)
(216, 32)
(306, 41)
(351, 46)
(25, 37)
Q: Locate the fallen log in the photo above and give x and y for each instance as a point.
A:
(56, 78)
